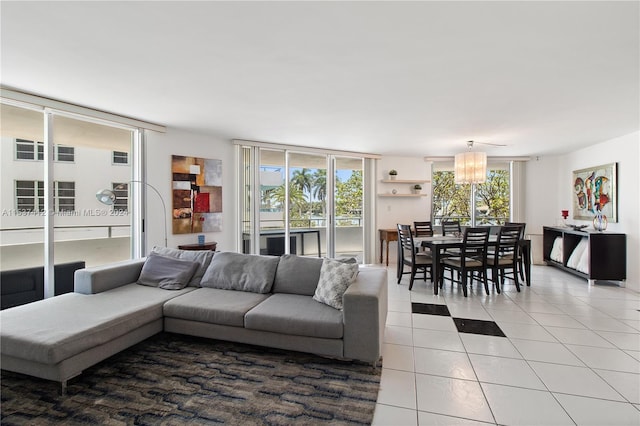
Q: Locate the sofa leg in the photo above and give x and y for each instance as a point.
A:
(63, 388)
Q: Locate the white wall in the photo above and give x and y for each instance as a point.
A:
(393, 210)
(159, 149)
(549, 190)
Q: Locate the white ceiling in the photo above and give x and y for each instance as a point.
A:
(394, 78)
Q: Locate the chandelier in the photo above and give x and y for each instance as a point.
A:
(470, 167)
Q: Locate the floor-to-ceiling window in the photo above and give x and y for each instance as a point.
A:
(84, 228)
(22, 201)
(349, 206)
(483, 204)
(304, 202)
(53, 164)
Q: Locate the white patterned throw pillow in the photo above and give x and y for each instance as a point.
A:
(335, 277)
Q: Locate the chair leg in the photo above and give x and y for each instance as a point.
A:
(464, 283)
(485, 282)
(515, 276)
(413, 275)
(521, 268)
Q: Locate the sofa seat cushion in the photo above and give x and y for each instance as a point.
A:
(212, 305)
(54, 329)
(297, 315)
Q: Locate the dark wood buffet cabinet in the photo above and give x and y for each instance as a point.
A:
(607, 252)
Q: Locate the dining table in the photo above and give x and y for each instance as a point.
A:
(438, 244)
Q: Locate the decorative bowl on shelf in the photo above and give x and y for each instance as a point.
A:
(578, 227)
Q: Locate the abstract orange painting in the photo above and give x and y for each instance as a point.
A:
(197, 195)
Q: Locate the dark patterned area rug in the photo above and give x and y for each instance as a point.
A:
(175, 380)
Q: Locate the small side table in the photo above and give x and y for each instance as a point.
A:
(387, 235)
(206, 246)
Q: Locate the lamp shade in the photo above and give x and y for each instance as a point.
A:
(106, 196)
(470, 167)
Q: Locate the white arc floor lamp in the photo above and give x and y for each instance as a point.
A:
(108, 197)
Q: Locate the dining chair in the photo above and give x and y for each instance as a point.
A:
(423, 229)
(451, 227)
(505, 257)
(416, 261)
(520, 255)
(472, 259)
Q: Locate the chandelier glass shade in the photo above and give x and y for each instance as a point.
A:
(470, 167)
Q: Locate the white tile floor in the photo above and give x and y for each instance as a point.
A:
(571, 356)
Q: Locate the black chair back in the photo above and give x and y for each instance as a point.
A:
(475, 243)
(405, 240)
(520, 225)
(508, 240)
(450, 227)
(423, 229)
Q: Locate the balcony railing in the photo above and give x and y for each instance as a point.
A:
(35, 234)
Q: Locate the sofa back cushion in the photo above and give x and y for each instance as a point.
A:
(297, 275)
(244, 272)
(201, 257)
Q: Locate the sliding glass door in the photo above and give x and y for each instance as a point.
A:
(53, 164)
(349, 207)
(90, 157)
(22, 202)
(306, 203)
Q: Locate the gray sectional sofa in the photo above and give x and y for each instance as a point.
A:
(261, 300)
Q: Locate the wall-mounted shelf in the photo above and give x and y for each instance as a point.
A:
(414, 181)
(410, 182)
(402, 195)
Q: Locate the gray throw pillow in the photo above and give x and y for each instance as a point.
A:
(335, 277)
(244, 272)
(201, 257)
(166, 272)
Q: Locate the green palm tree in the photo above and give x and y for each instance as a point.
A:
(303, 179)
(320, 188)
(297, 200)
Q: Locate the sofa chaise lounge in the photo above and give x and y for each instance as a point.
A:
(261, 300)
